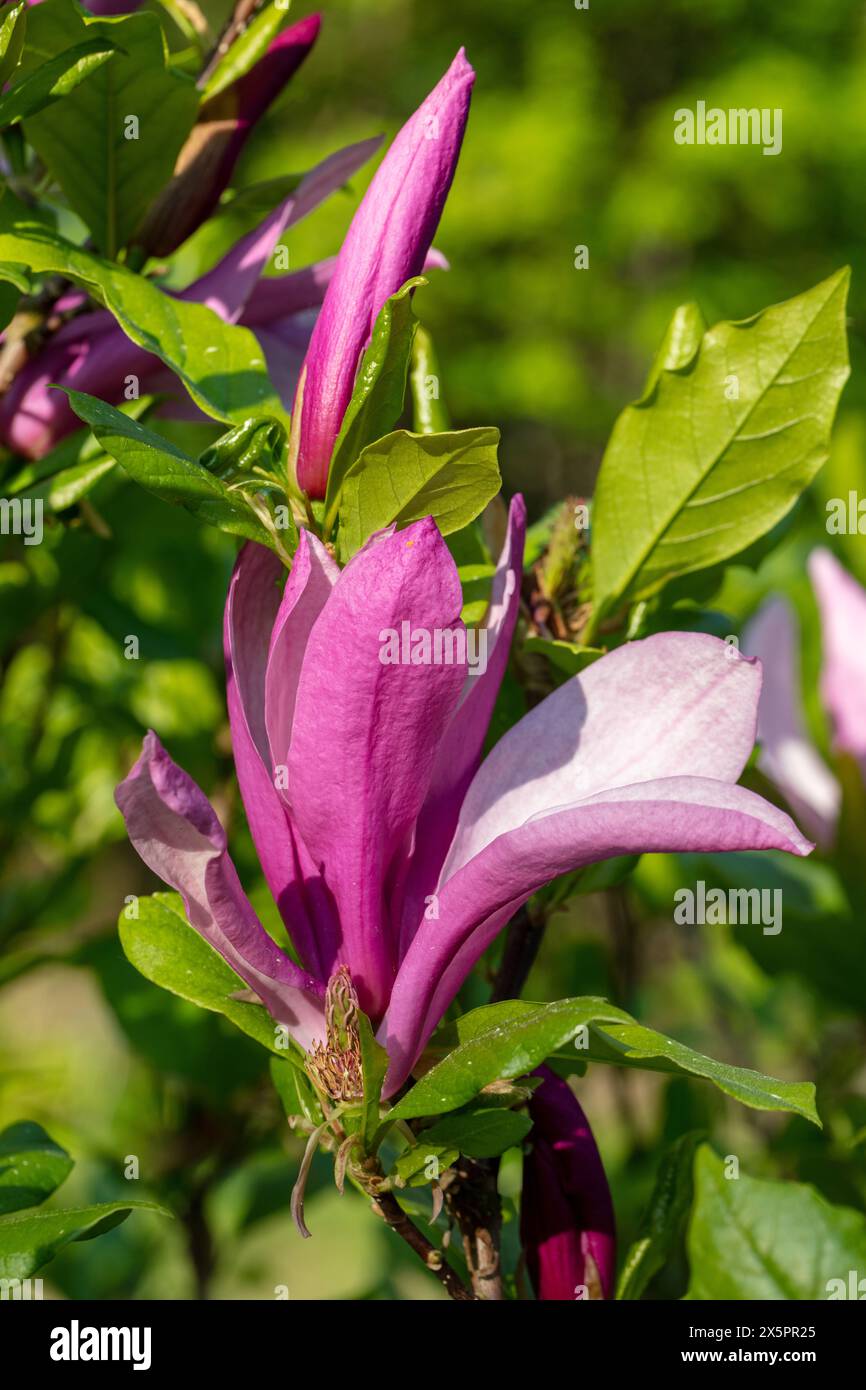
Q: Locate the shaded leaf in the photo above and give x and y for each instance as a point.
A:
(754, 1239)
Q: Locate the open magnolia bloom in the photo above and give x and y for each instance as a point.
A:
(358, 718)
(788, 756)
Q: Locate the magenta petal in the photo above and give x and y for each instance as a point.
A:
(314, 574)
(385, 246)
(842, 605)
(567, 1220)
(676, 814)
(176, 832)
(227, 287)
(788, 757)
(460, 750)
(251, 609)
(365, 733)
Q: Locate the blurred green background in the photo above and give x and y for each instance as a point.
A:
(570, 142)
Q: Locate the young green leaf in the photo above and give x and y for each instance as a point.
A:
(429, 412)
(721, 445)
(380, 388)
(755, 1239)
(13, 28)
(404, 477)
(295, 1091)
(374, 1065)
(248, 47)
(32, 1166)
(483, 1133)
(664, 1220)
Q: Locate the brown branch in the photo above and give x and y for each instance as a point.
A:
(385, 1204)
(521, 948)
(472, 1199)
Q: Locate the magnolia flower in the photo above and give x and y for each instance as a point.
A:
(788, 757)
(391, 849)
(91, 352)
(566, 1214)
(386, 244)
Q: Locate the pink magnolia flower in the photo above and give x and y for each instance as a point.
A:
(389, 846)
(788, 756)
(386, 244)
(567, 1223)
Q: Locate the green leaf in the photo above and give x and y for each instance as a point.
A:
(161, 467)
(53, 80)
(28, 1240)
(380, 388)
(410, 1167)
(664, 1219)
(166, 950)
(31, 1166)
(13, 29)
(430, 414)
(374, 1065)
(483, 1133)
(220, 364)
(498, 1040)
(630, 1044)
(14, 281)
(567, 657)
(404, 477)
(511, 1038)
(295, 1091)
(691, 477)
(108, 169)
(247, 48)
(754, 1239)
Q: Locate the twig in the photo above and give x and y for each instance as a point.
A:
(385, 1204)
(240, 18)
(521, 948)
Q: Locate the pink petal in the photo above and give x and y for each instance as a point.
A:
(788, 757)
(676, 814)
(314, 574)
(460, 750)
(176, 832)
(364, 735)
(674, 703)
(842, 605)
(227, 287)
(251, 610)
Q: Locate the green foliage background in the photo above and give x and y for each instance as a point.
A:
(570, 142)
